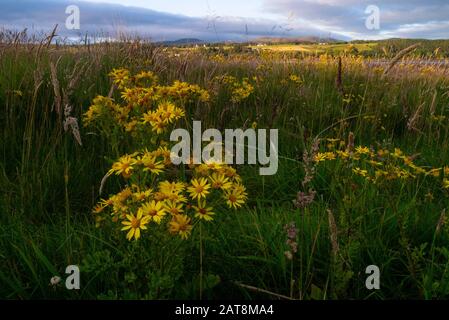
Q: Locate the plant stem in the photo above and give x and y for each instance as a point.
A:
(201, 260)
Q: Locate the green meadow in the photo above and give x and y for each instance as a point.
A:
(362, 178)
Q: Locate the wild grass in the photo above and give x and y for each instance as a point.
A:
(49, 183)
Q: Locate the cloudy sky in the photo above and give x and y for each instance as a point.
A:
(218, 20)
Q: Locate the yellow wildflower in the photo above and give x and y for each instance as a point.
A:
(173, 207)
(319, 157)
(142, 195)
(203, 212)
(236, 196)
(124, 166)
(362, 150)
(150, 164)
(180, 224)
(134, 225)
(199, 189)
(219, 181)
(445, 183)
(154, 210)
(360, 172)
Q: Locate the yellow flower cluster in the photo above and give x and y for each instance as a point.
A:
(145, 103)
(151, 199)
(379, 165)
(240, 90)
(295, 79)
(153, 195)
(218, 58)
(165, 114)
(184, 92)
(100, 106)
(123, 79)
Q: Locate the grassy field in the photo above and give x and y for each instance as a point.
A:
(320, 48)
(362, 179)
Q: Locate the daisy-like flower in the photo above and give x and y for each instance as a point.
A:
(330, 156)
(360, 172)
(230, 172)
(150, 164)
(319, 157)
(134, 224)
(172, 191)
(202, 170)
(131, 126)
(381, 173)
(362, 150)
(397, 153)
(153, 210)
(92, 113)
(98, 209)
(149, 117)
(160, 196)
(342, 154)
(158, 125)
(146, 75)
(178, 113)
(166, 110)
(375, 163)
(219, 181)
(121, 77)
(180, 224)
(213, 164)
(236, 196)
(176, 197)
(445, 183)
(173, 207)
(125, 194)
(124, 166)
(171, 187)
(166, 154)
(142, 195)
(128, 94)
(203, 212)
(118, 204)
(105, 203)
(199, 189)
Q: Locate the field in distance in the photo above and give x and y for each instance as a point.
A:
(318, 48)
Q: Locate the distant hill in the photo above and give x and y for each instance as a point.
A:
(184, 41)
(280, 40)
(261, 40)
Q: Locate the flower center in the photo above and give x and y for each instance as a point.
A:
(135, 223)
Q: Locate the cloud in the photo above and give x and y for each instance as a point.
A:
(404, 18)
(342, 18)
(110, 19)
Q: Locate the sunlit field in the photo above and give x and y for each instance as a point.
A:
(318, 48)
(86, 177)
